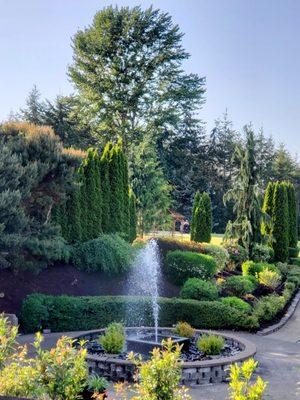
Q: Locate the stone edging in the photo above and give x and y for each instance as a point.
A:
(193, 373)
(284, 319)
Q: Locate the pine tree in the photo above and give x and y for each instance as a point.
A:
(292, 207)
(280, 220)
(194, 216)
(105, 187)
(34, 111)
(132, 217)
(266, 226)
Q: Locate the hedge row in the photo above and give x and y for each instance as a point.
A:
(66, 313)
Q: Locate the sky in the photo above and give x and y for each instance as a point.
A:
(248, 50)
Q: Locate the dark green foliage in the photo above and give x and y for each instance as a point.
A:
(201, 224)
(35, 172)
(280, 219)
(237, 254)
(105, 187)
(197, 289)
(108, 253)
(295, 261)
(293, 252)
(292, 208)
(74, 217)
(64, 313)
(238, 286)
(237, 303)
(116, 190)
(132, 217)
(267, 208)
(181, 265)
(268, 307)
(262, 253)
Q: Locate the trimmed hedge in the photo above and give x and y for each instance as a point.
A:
(181, 265)
(66, 313)
(237, 303)
(197, 289)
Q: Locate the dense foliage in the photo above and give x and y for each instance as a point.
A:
(201, 223)
(35, 173)
(181, 265)
(210, 345)
(108, 253)
(60, 313)
(113, 339)
(197, 289)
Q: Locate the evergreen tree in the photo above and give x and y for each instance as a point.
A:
(34, 111)
(292, 207)
(125, 194)
(74, 217)
(105, 188)
(194, 215)
(132, 217)
(245, 195)
(280, 219)
(267, 209)
(116, 189)
(206, 204)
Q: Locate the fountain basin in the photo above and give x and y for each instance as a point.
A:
(194, 373)
(146, 343)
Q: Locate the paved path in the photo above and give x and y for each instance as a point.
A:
(278, 355)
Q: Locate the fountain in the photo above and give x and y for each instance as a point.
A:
(144, 280)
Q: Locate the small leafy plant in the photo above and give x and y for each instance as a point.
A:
(268, 278)
(185, 330)
(240, 385)
(97, 383)
(113, 339)
(211, 345)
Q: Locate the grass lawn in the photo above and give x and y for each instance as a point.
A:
(215, 239)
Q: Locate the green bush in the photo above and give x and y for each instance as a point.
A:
(219, 253)
(109, 254)
(262, 253)
(282, 268)
(181, 265)
(250, 268)
(113, 339)
(197, 289)
(67, 313)
(237, 255)
(238, 286)
(237, 303)
(184, 329)
(210, 345)
(268, 307)
(295, 261)
(268, 278)
(293, 252)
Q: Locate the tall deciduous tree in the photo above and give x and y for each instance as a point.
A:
(127, 66)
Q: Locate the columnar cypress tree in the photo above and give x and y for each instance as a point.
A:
(105, 187)
(132, 217)
(98, 194)
(125, 195)
(194, 217)
(266, 227)
(82, 196)
(292, 207)
(116, 181)
(73, 210)
(280, 222)
(206, 202)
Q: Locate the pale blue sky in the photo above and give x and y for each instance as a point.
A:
(249, 51)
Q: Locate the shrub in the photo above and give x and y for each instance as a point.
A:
(60, 313)
(250, 268)
(240, 378)
(197, 289)
(237, 255)
(8, 336)
(293, 252)
(262, 253)
(238, 286)
(268, 307)
(185, 330)
(96, 383)
(282, 268)
(210, 345)
(113, 339)
(219, 253)
(295, 261)
(181, 265)
(269, 278)
(237, 303)
(109, 254)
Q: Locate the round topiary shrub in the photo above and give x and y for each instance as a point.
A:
(181, 265)
(237, 303)
(197, 289)
(238, 286)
